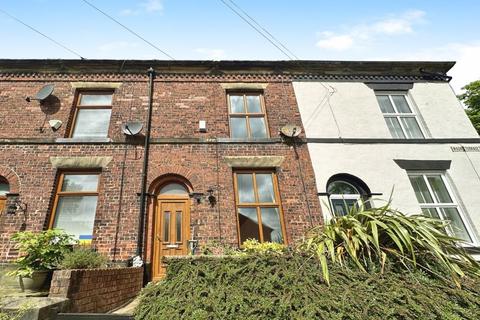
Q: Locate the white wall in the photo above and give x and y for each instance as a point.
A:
(374, 165)
(353, 106)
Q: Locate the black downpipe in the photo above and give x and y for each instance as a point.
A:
(143, 194)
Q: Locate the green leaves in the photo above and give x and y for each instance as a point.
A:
(379, 235)
(471, 98)
(290, 286)
(40, 251)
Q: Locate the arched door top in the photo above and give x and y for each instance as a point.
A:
(169, 185)
(173, 189)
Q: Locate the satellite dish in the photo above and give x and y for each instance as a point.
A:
(291, 130)
(43, 93)
(132, 128)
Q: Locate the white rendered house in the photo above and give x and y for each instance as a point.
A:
(376, 129)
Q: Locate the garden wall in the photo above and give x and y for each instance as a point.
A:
(96, 290)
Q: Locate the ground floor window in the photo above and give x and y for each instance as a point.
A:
(4, 189)
(437, 200)
(344, 192)
(76, 204)
(258, 206)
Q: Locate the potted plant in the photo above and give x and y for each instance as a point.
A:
(40, 253)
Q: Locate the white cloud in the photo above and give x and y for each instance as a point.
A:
(392, 25)
(152, 5)
(466, 69)
(148, 6)
(213, 54)
(334, 42)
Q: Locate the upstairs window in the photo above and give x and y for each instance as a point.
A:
(399, 116)
(437, 201)
(92, 115)
(76, 204)
(258, 206)
(247, 115)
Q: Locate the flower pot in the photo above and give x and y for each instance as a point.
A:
(35, 282)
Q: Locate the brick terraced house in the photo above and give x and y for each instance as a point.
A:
(217, 167)
(151, 163)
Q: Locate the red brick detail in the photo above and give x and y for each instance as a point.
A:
(180, 101)
(12, 179)
(96, 290)
(166, 173)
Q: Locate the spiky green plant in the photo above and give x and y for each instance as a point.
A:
(373, 237)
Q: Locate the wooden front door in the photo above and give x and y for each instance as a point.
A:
(3, 202)
(171, 234)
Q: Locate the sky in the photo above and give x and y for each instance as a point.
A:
(439, 30)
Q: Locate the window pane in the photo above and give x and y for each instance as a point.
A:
(271, 227)
(178, 224)
(385, 104)
(401, 104)
(173, 189)
(253, 104)
(239, 127)
(394, 127)
(80, 182)
(76, 215)
(92, 123)
(245, 188)
(456, 227)
(236, 104)
(95, 99)
(421, 189)
(341, 207)
(166, 226)
(341, 187)
(257, 127)
(431, 212)
(412, 129)
(265, 187)
(248, 221)
(4, 188)
(440, 192)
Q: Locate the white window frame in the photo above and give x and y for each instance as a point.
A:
(398, 115)
(339, 196)
(437, 205)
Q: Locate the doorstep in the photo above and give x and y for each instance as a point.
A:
(33, 308)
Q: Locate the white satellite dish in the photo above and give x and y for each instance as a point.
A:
(291, 130)
(43, 93)
(132, 128)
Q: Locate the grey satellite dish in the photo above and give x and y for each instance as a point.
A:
(291, 130)
(43, 93)
(132, 128)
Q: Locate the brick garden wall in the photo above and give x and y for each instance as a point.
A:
(178, 147)
(96, 290)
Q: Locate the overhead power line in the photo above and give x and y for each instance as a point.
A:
(264, 29)
(42, 34)
(272, 40)
(128, 29)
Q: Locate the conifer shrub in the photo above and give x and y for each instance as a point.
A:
(291, 286)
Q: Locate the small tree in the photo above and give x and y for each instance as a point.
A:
(471, 98)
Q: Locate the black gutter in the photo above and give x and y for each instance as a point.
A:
(143, 195)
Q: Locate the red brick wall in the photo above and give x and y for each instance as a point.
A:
(179, 102)
(96, 290)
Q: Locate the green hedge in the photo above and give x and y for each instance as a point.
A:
(291, 287)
